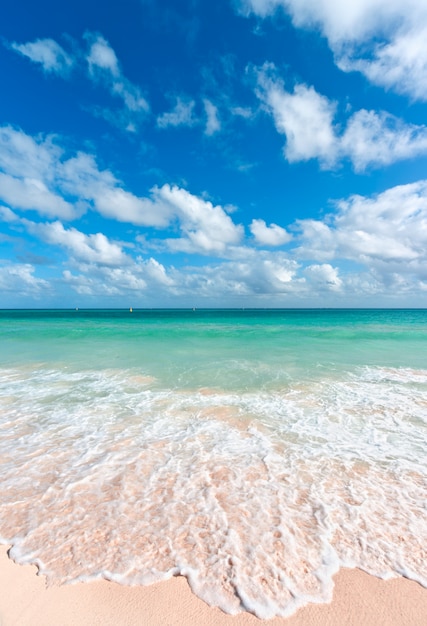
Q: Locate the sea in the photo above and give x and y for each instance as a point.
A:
(255, 452)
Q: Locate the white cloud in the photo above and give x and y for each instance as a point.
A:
(30, 174)
(380, 139)
(391, 226)
(6, 215)
(84, 248)
(368, 247)
(318, 240)
(381, 241)
(213, 125)
(19, 280)
(97, 281)
(277, 273)
(101, 56)
(272, 235)
(28, 168)
(260, 275)
(156, 272)
(324, 277)
(181, 115)
(131, 95)
(31, 193)
(387, 233)
(124, 206)
(306, 118)
(37, 176)
(51, 56)
(142, 276)
(244, 112)
(206, 228)
(24, 156)
(80, 176)
(103, 269)
(400, 64)
(104, 66)
(354, 20)
(383, 39)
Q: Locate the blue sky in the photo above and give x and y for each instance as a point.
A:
(239, 153)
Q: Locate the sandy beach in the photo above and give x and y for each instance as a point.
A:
(359, 599)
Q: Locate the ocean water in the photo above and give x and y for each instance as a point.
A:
(254, 452)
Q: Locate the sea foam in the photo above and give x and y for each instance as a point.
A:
(257, 496)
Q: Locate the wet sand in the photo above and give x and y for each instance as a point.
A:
(359, 600)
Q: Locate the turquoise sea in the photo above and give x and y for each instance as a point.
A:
(253, 451)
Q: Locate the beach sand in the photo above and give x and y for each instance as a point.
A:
(359, 600)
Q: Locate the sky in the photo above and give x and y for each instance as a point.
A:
(237, 153)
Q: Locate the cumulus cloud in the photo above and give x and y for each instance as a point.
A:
(381, 139)
(24, 156)
(100, 281)
(124, 206)
(272, 235)
(35, 174)
(142, 276)
(94, 248)
(324, 277)
(391, 226)
(81, 177)
(383, 39)
(48, 53)
(353, 21)
(101, 267)
(306, 118)
(387, 233)
(182, 114)
(156, 272)
(206, 228)
(368, 246)
(203, 227)
(19, 279)
(400, 64)
(27, 169)
(31, 193)
(258, 274)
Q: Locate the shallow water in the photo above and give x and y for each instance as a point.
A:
(254, 452)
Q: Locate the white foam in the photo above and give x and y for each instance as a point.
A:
(257, 497)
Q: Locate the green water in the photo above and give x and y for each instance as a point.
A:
(226, 346)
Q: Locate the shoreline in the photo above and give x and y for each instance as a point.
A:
(359, 598)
